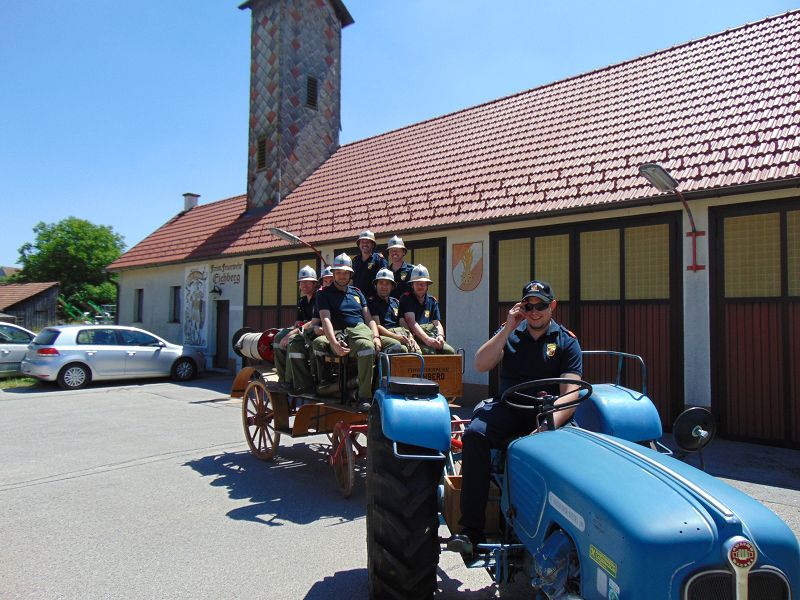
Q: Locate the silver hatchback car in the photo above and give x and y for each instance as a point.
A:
(74, 355)
(14, 342)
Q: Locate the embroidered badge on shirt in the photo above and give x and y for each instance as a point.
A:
(551, 350)
(427, 314)
(395, 311)
(357, 299)
(370, 265)
(403, 276)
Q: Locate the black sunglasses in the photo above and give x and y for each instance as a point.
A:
(540, 307)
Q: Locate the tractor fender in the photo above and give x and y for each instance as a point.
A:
(423, 422)
(621, 412)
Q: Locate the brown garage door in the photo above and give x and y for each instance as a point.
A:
(756, 322)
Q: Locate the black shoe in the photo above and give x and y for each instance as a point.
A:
(363, 405)
(328, 389)
(466, 542)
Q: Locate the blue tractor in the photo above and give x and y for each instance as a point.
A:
(585, 512)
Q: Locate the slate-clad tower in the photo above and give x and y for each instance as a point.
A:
(295, 74)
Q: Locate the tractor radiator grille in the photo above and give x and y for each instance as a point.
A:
(719, 585)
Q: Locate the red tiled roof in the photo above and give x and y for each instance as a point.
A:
(718, 112)
(13, 293)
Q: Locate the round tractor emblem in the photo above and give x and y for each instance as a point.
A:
(742, 554)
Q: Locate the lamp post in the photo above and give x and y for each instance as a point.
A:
(660, 179)
(294, 240)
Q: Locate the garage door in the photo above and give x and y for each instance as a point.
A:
(756, 324)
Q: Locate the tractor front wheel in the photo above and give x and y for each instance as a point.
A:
(402, 519)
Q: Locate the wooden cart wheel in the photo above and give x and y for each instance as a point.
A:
(258, 421)
(343, 461)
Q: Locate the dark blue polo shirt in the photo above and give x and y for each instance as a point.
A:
(306, 308)
(387, 310)
(401, 279)
(554, 353)
(425, 312)
(364, 271)
(346, 307)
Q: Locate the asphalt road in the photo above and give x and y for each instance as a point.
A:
(148, 491)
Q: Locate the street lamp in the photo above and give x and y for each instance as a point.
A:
(294, 240)
(660, 179)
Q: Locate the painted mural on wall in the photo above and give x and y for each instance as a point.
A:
(195, 296)
(467, 265)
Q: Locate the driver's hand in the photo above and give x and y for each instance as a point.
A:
(515, 316)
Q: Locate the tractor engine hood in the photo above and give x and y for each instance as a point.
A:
(634, 511)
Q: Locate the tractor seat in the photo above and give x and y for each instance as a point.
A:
(413, 386)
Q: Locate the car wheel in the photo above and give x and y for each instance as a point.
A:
(74, 377)
(183, 370)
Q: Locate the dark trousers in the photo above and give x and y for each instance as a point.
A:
(493, 425)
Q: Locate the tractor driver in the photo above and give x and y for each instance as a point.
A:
(420, 311)
(343, 308)
(529, 346)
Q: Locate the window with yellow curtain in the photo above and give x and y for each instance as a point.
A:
(600, 273)
(513, 268)
(551, 263)
(254, 273)
(647, 262)
(269, 288)
(430, 258)
(289, 289)
(793, 251)
(752, 256)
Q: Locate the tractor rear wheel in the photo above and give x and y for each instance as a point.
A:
(402, 519)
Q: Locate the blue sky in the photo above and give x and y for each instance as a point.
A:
(110, 110)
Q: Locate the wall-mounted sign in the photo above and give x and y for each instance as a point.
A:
(467, 265)
(225, 273)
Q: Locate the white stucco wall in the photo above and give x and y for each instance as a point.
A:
(157, 283)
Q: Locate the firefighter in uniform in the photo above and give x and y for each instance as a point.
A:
(420, 311)
(326, 278)
(289, 341)
(343, 309)
(385, 310)
(396, 251)
(530, 345)
(367, 263)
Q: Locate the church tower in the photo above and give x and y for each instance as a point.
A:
(295, 93)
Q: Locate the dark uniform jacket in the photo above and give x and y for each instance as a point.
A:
(401, 279)
(306, 308)
(554, 353)
(345, 307)
(386, 310)
(425, 312)
(364, 271)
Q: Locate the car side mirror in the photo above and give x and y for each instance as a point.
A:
(162, 345)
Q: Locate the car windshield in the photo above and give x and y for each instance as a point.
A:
(46, 337)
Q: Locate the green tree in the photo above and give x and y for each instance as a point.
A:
(74, 252)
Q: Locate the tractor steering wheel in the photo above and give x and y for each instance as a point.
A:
(543, 403)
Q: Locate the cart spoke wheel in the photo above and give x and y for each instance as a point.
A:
(258, 421)
(343, 460)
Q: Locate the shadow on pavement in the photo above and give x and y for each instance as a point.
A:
(752, 463)
(273, 487)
